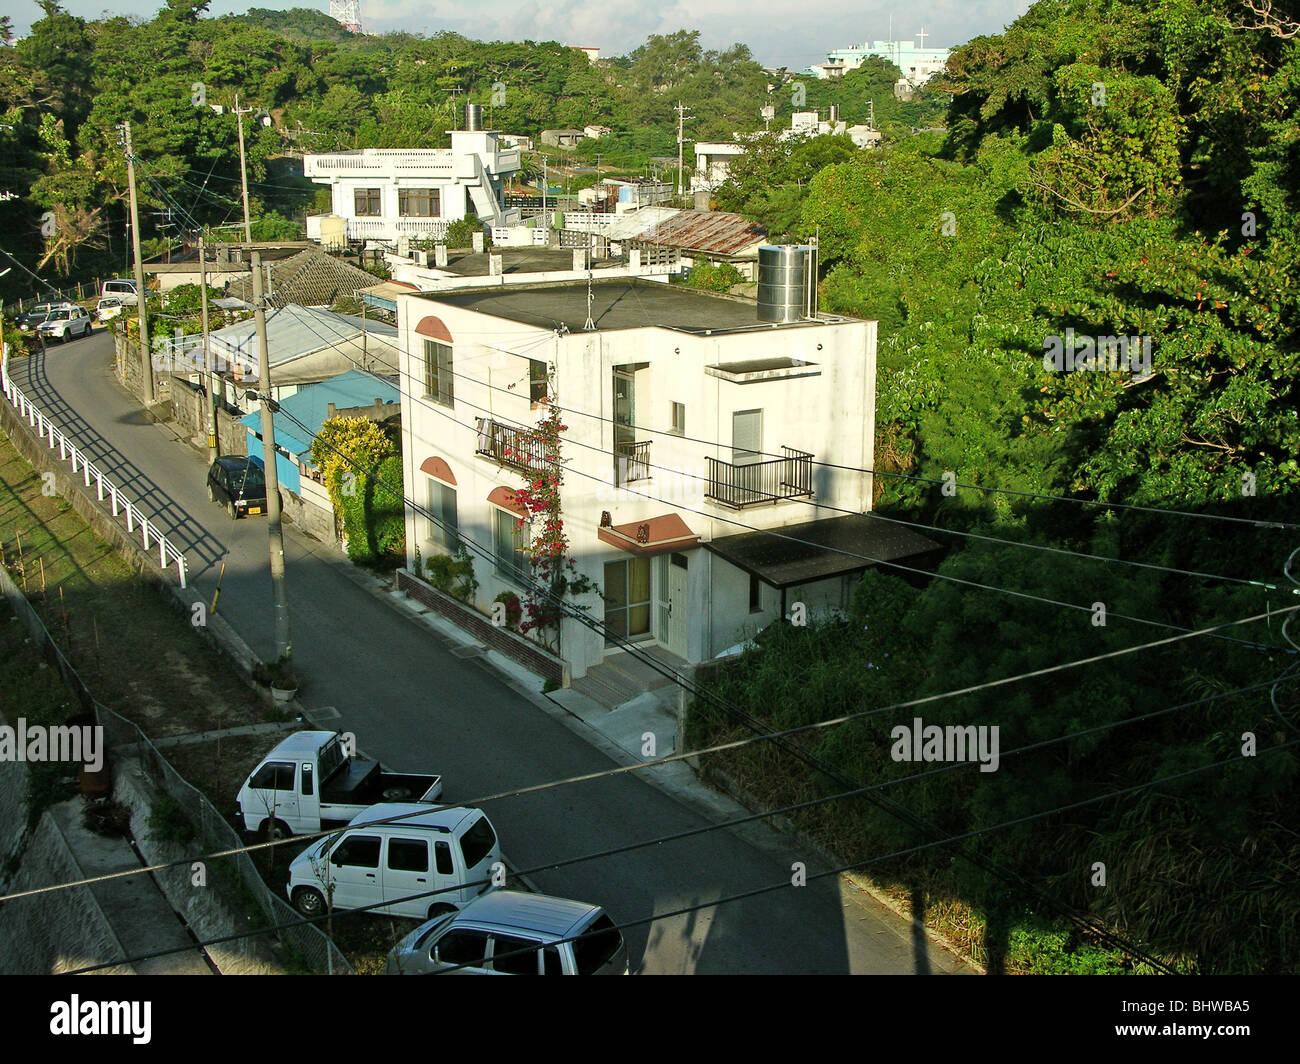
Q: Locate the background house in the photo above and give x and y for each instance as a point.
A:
(307, 345)
(384, 194)
(562, 138)
(301, 415)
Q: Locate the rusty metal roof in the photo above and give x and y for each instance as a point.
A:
(718, 232)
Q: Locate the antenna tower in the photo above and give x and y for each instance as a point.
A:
(347, 13)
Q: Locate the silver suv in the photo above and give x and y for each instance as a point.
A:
(65, 322)
(509, 932)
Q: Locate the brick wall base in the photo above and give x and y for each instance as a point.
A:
(513, 646)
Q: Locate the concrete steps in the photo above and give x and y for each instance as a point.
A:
(622, 677)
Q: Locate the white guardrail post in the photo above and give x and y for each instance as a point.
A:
(68, 451)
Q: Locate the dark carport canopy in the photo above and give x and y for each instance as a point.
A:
(816, 550)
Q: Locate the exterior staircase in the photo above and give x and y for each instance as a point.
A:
(622, 677)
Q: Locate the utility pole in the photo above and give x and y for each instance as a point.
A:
(146, 362)
(681, 113)
(213, 435)
(546, 222)
(243, 169)
(275, 533)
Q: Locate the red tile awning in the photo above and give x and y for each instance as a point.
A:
(657, 535)
(434, 329)
(505, 498)
(439, 470)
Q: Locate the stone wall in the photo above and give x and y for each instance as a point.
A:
(189, 410)
(308, 515)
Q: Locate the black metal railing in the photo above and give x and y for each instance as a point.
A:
(631, 462)
(751, 483)
(509, 446)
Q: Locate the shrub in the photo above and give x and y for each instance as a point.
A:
(514, 608)
(168, 822)
(276, 674)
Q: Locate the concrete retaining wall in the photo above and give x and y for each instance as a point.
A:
(203, 905)
(46, 933)
(189, 409)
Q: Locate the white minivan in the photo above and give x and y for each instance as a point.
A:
(118, 286)
(439, 861)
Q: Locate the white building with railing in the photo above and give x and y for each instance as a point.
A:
(384, 194)
(692, 427)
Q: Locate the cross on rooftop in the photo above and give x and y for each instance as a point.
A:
(921, 35)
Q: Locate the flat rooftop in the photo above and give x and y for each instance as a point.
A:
(625, 303)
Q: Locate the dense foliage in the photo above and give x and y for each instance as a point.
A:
(1111, 168)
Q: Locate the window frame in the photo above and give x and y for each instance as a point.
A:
(515, 566)
(538, 380)
(349, 840)
(406, 842)
(439, 373)
(374, 206)
(439, 495)
(428, 200)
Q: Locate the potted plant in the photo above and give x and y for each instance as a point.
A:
(279, 676)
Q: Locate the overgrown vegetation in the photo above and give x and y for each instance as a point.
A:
(363, 473)
(1093, 180)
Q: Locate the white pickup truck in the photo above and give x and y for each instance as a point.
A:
(310, 782)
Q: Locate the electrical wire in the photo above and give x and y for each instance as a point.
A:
(522, 353)
(776, 533)
(759, 728)
(784, 885)
(726, 747)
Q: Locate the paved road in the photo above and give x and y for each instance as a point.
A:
(417, 707)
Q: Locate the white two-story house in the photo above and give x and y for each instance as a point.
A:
(692, 427)
(385, 194)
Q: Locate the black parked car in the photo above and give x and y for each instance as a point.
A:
(27, 322)
(239, 483)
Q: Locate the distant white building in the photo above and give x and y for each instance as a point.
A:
(388, 193)
(713, 158)
(918, 64)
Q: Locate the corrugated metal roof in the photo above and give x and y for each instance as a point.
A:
(310, 405)
(719, 232)
(716, 232)
(294, 331)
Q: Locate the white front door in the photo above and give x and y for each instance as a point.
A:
(678, 608)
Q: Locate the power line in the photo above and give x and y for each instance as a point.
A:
(960, 484)
(759, 728)
(794, 539)
(827, 506)
(718, 748)
(202, 944)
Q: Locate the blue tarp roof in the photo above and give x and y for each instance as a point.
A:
(310, 405)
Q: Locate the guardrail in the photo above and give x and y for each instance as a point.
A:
(168, 553)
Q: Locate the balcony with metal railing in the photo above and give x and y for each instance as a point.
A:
(392, 228)
(738, 485)
(509, 446)
(631, 462)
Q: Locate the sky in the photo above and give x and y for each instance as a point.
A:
(789, 33)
